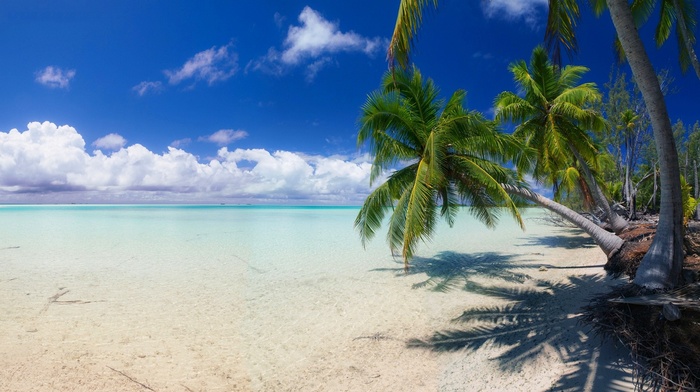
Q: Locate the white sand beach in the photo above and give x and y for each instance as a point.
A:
(215, 314)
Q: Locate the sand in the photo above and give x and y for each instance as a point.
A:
(458, 321)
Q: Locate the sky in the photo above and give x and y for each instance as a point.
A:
(243, 102)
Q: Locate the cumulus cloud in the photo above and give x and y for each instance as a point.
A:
(317, 35)
(146, 87)
(113, 141)
(313, 40)
(49, 163)
(212, 65)
(527, 10)
(55, 77)
(223, 137)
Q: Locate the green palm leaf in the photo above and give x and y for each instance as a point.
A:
(452, 156)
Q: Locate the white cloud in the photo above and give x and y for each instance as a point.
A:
(212, 65)
(55, 77)
(113, 141)
(313, 41)
(146, 87)
(223, 137)
(49, 163)
(528, 10)
(181, 142)
(317, 36)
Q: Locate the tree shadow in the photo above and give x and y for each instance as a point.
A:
(447, 271)
(539, 319)
(561, 241)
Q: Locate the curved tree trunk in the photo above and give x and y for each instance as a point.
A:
(608, 242)
(661, 266)
(616, 222)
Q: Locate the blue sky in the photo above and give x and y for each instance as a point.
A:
(240, 102)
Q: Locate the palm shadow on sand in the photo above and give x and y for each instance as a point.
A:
(532, 323)
(574, 240)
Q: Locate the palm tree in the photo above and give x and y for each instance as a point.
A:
(448, 157)
(552, 117)
(661, 266)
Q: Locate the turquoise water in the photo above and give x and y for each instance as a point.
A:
(261, 235)
(139, 240)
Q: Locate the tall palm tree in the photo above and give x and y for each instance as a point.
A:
(447, 154)
(449, 157)
(661, 266)
(553, 117)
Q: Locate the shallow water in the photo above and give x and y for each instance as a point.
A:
(234, 297)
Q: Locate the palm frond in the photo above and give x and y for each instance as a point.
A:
(667, 18)
(560, 31)
(408, 21)
(371, 215)
(642, 10)
(420, 216)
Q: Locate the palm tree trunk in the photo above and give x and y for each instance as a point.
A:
(617, 223)
(661, 266)
(680, 25)
(608, 242)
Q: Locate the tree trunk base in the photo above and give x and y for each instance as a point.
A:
(637, 238)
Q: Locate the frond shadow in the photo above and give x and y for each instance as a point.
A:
(533, 322)
(448, 271)
(561, 241)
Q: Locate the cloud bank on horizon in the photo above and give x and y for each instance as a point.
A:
(49, 164)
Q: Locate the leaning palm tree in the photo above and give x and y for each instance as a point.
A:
(552, 116)
(661, 266)
(440, 156)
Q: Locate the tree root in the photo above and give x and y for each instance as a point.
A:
(666, 354)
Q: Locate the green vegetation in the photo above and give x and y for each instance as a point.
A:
(554, 116)
(449, 155)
